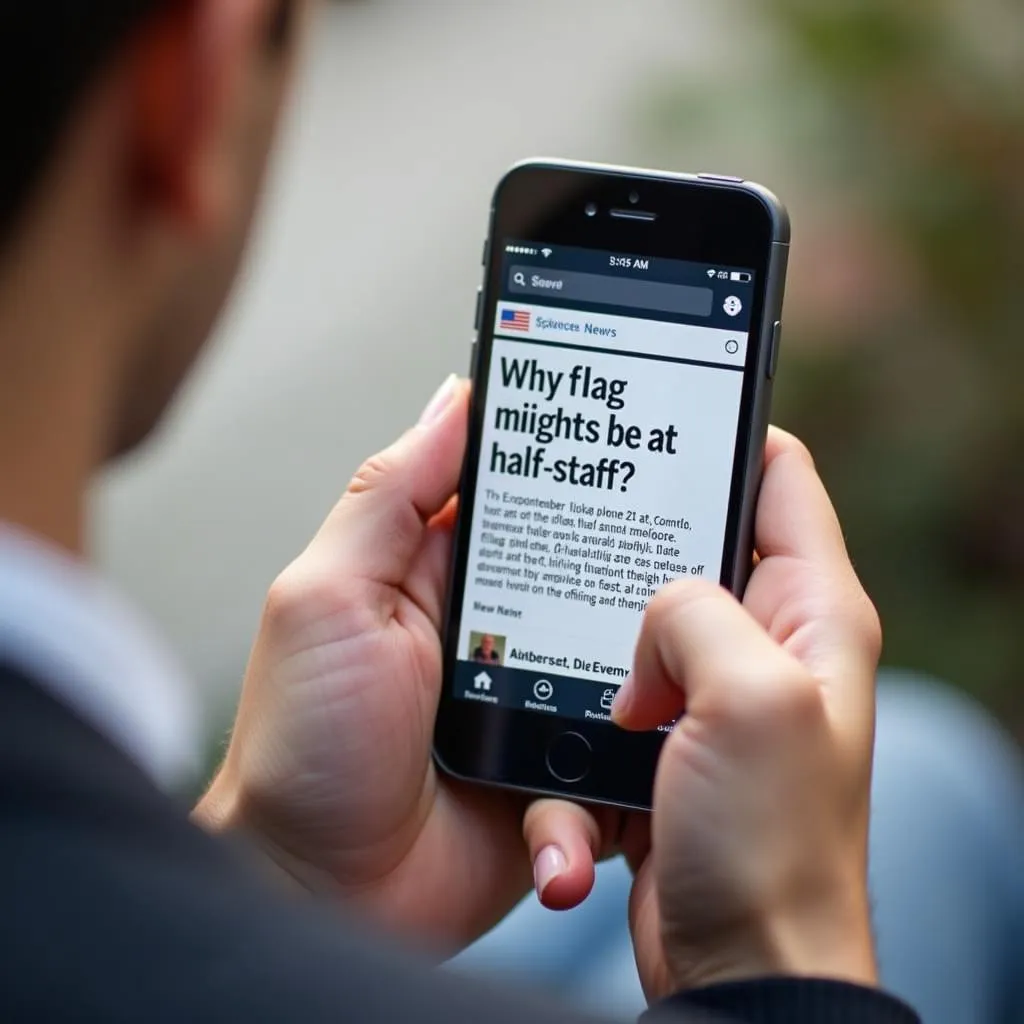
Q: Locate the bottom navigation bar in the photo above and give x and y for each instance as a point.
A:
(543, 693)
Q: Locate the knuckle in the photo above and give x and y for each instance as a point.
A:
(373, 474)
(545, 820)
(869, 624)
(798, 699)
(777, 700)
(856, 616)
(292, 594)
(299, 599)
(383, 481)
(284, 597)
(793, 708)
(679, 595)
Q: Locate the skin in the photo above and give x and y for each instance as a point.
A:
(754, 861)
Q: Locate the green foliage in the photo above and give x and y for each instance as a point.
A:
(901, 124)
(850, 42)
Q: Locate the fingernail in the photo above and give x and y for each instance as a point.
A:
(623, 700)
(441, 400)
(550, 863)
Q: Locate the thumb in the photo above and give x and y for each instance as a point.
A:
(564, 840)
(701, 652)
(376, 531)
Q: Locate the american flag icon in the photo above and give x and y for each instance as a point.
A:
(515, 320)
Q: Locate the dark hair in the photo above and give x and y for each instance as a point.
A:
(52, 51)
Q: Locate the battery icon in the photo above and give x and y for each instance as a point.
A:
(741, 277)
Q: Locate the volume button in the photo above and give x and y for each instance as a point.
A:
(479, 309)
(773, 355)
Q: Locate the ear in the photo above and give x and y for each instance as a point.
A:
(190, 68)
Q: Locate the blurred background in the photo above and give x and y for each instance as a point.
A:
(895, 134)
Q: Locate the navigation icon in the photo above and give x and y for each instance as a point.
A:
(607, 699)
(543, 690)
(733, 306)
(483, 682)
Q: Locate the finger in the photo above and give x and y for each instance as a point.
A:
(448, 516)
(701, 652)
(805, 588)
(795, 517)
(564, 841)
(376, 530)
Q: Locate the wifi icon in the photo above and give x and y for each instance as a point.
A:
(546, 253)
(712, 273)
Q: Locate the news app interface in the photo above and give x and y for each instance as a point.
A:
(606, 465)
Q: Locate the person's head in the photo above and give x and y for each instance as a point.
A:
(487, 644)
(136, 134)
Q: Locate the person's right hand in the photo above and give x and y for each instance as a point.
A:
(758, 855)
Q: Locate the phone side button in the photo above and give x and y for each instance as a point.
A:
(569, 757)
(773, 356)
(479, 308)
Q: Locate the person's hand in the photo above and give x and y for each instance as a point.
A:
(329, 765)
(759, 836)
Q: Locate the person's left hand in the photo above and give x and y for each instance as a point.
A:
(329, 765)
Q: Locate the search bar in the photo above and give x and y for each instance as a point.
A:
(602, 290)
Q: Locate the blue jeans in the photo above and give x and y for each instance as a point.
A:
(947, 876)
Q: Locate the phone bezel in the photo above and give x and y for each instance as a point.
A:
(702, 219)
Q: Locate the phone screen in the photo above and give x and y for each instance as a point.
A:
(614, 385)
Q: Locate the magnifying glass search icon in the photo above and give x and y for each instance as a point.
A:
(519, 279)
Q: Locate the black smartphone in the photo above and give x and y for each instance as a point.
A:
(628, 330)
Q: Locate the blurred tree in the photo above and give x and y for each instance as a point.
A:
(898, 138)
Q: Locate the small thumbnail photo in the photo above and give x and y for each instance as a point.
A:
(487, 648)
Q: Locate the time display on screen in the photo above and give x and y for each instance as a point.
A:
(629, 263)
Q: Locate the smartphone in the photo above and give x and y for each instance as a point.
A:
(628, 332)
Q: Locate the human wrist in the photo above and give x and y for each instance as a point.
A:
(220, 812)
(830, 939)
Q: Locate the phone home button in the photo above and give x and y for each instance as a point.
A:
(569, 757)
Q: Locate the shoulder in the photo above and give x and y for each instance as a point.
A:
(115, 907)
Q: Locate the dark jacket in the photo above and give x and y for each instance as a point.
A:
(113, 907)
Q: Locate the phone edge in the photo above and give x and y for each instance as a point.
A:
(754, 470)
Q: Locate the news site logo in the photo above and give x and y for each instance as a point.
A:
(515, 320)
